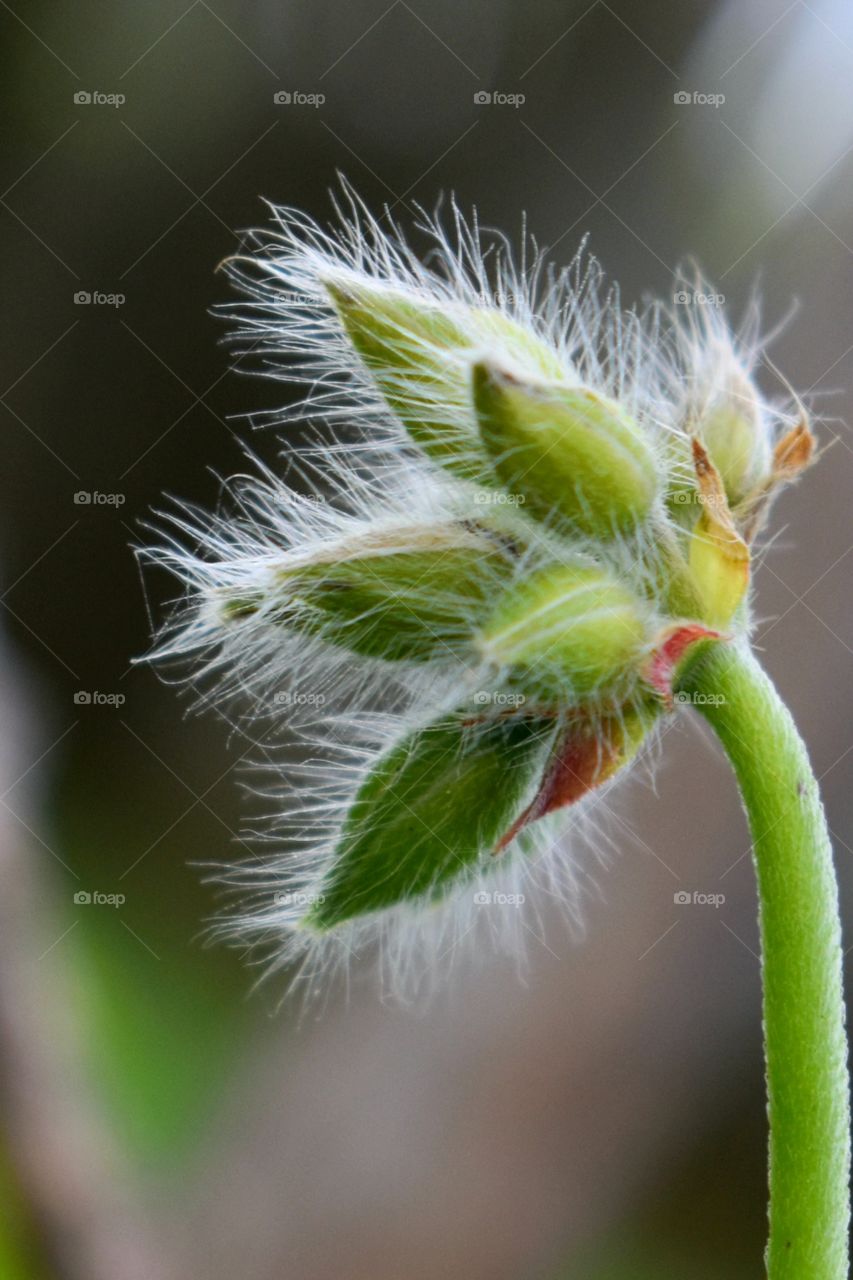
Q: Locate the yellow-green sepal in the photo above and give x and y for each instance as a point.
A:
(419, 354)
(402, 594)
(573, 456)
(567, 631)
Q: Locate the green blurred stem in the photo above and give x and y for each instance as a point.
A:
(804, 1035)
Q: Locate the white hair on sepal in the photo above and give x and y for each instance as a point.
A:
(302, 793)
(706, 362)
(287, 320)
(662, 362)
(326, 716)
(263, 525)
(502, 908)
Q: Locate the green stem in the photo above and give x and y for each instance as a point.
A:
(804, 1036)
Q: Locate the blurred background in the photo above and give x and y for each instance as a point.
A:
(604, 1117)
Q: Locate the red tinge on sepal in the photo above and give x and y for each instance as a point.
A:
(585, 758)
(667, 655)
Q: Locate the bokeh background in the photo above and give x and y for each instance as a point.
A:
(603, 1117)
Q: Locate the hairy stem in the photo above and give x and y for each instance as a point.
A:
(804, 1035)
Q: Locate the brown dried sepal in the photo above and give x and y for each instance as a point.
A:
(792, 455)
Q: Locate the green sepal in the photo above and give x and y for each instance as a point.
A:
(430, 810)
(738, 444)
(419, 354)
(571, 454)
(567, 630)
(402, 594)
(410, 606)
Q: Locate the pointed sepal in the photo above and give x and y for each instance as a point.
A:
(429, 811)
(571, 455)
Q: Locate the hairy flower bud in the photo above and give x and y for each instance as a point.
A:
(732, 428)
(723, 409)
(430, 810)
(410, 594)
(571, 453)
(472, 633)
(419, 353)
(567, 630)
(738, 448)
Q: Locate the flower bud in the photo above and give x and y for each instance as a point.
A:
(405, 594)
(427, 813)
(571, 453)
(730, 421)
(733, 431)
(566, 630)
(419, 354)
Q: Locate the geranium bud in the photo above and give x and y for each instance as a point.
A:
(428, 812)
(419, 353)
(566, 630)
(734, 432)
(523, 516)
(571, 453)
(410, 594)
